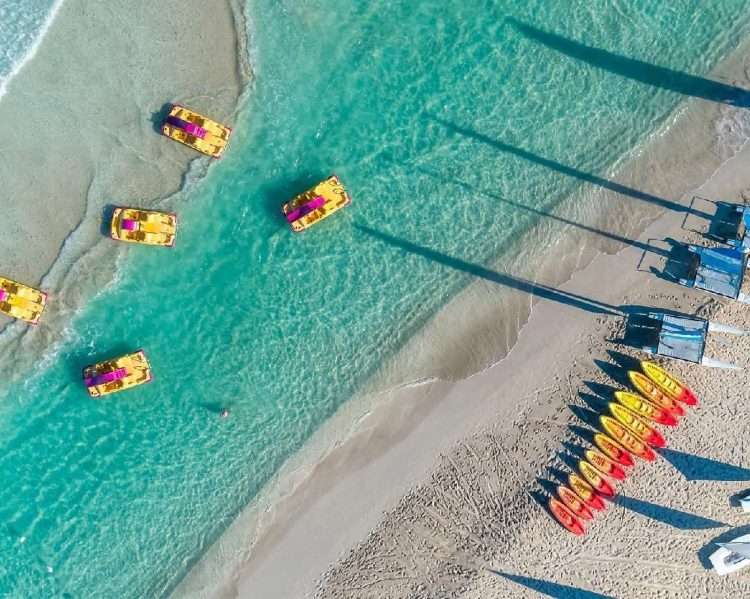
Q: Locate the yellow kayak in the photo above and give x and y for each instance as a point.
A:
(645, 408)
(319, 202)
(149, 227)
(637, 425)
(117, 374)
(627, 439)
(613, 450)
(595, 479)
(669, 383)
(646, 387)
(604, 464)
(21, 301)
(196, 131)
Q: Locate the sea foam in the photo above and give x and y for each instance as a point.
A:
(23, 25)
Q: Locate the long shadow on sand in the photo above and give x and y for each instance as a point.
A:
(568, 170)
(477, 270)
(552, 589)
(565, 221)
(694, 467)
(638, 70)
(667, 515)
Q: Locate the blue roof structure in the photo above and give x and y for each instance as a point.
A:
(718, 270)
(682, 337)
(743, 239)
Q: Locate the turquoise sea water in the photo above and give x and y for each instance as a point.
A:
(410, 104)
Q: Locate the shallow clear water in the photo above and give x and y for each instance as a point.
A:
(22, 26)
(411, 104)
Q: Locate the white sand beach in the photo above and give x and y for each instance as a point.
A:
(425, 488)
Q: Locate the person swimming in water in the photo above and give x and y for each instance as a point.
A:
(224, 413)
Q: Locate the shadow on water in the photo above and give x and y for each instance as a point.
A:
(724, 537)
(694, 467)
(667, 515)
(568, 170)
(638, 70)
(80, 359)
(159, 116)
(537, 289)
(275, 194)
(606, 234)
(551, 589)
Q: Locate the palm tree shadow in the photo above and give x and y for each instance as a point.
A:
(638, 70)
(567, 170)
(551, 589)
(670, 516)
(694, 467)
(645, 247)
(510, 281)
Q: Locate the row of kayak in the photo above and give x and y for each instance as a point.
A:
(629, 431)
(157, 228)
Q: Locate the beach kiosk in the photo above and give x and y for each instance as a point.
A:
(719, 271)
(677, 336)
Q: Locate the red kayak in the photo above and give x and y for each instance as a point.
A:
(565, 517)
(574, 503)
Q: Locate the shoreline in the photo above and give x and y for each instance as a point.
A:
(64, 171)
(299, 498)
(29, 56)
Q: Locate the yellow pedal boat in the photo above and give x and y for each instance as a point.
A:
(315, 204)
(21, 301)
(197, 131)
(117, 374)
(144, 226)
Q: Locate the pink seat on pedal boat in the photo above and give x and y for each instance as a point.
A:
(107, 377)
(306, 208)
